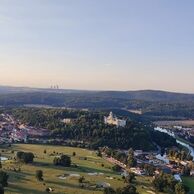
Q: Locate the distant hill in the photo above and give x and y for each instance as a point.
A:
(11, 89)
(147, 95)
(155, 104)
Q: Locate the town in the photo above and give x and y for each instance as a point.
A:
(13, 131)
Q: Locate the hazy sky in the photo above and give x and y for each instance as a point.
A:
(98, 44)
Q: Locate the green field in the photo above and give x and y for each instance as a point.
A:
(25, 182)
(189, 181)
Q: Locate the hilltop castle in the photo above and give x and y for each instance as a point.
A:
(113, 120)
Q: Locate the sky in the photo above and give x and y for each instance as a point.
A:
(98, 44)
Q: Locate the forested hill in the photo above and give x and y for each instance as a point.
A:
(157, 104)
(146, 95)
(89, 127)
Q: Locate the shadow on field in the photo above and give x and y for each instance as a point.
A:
(13, 188)
(79, 169)
(64, 185)
(18, 176)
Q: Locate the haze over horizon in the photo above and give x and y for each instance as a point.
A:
(98, 45)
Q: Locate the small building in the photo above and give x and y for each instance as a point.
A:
(138, 152)
(166, 170)
(125, 173)
(67, 121)
(192, 173)
(113, 120)
(19, 135)
(178, 177)
(137, 171)
(184, 163)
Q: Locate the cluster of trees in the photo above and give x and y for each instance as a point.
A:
(179, 154)
(186, 170)
(130, 178)
(88, 126)
(26, 157)
(149, 169)
(166, 183)
(153, 103)
(163, 140)
(3, 181)
(39, 175)
(116, 168)
(128, 159)
(120, 156)
(4, 178)
(63, 160)
(1, 189)
(129, 189)
(131, 160)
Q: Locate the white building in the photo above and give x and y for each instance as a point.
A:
(113, 120)
(178, 177)
(192, 173)
(67, 121)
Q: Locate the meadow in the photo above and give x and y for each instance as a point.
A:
(85, 163)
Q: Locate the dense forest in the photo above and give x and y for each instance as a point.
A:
(88, 126)
(154, 105)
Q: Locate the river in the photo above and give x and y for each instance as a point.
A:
(191, 149)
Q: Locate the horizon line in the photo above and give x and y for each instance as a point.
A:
(95, 90)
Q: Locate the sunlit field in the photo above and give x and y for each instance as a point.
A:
(85, 163)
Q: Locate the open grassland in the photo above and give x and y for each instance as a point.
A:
(186, 123)
(24, 181)
(189, 181)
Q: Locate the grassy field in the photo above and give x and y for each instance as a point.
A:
(189, 181)
(186, 123)
(24, 182)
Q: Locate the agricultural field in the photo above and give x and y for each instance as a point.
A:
(185, 123)
(63, 180)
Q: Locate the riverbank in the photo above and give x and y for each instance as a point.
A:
(178, 140)
(184, 140)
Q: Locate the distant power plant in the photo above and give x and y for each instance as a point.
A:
(55, 87)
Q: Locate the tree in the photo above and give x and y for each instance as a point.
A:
(116, 168)
(164, 182)
(130, 178)
(26, 157)
(109, 190)
(130, 189)
(1, 189)
(99, 154)
(181, 189)
(186, 171)
(39, 175)
(0, 162)
(150, 170)
(63, 160)
(19, 155)
(4, 178)
(81, 179)
(131, 161)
